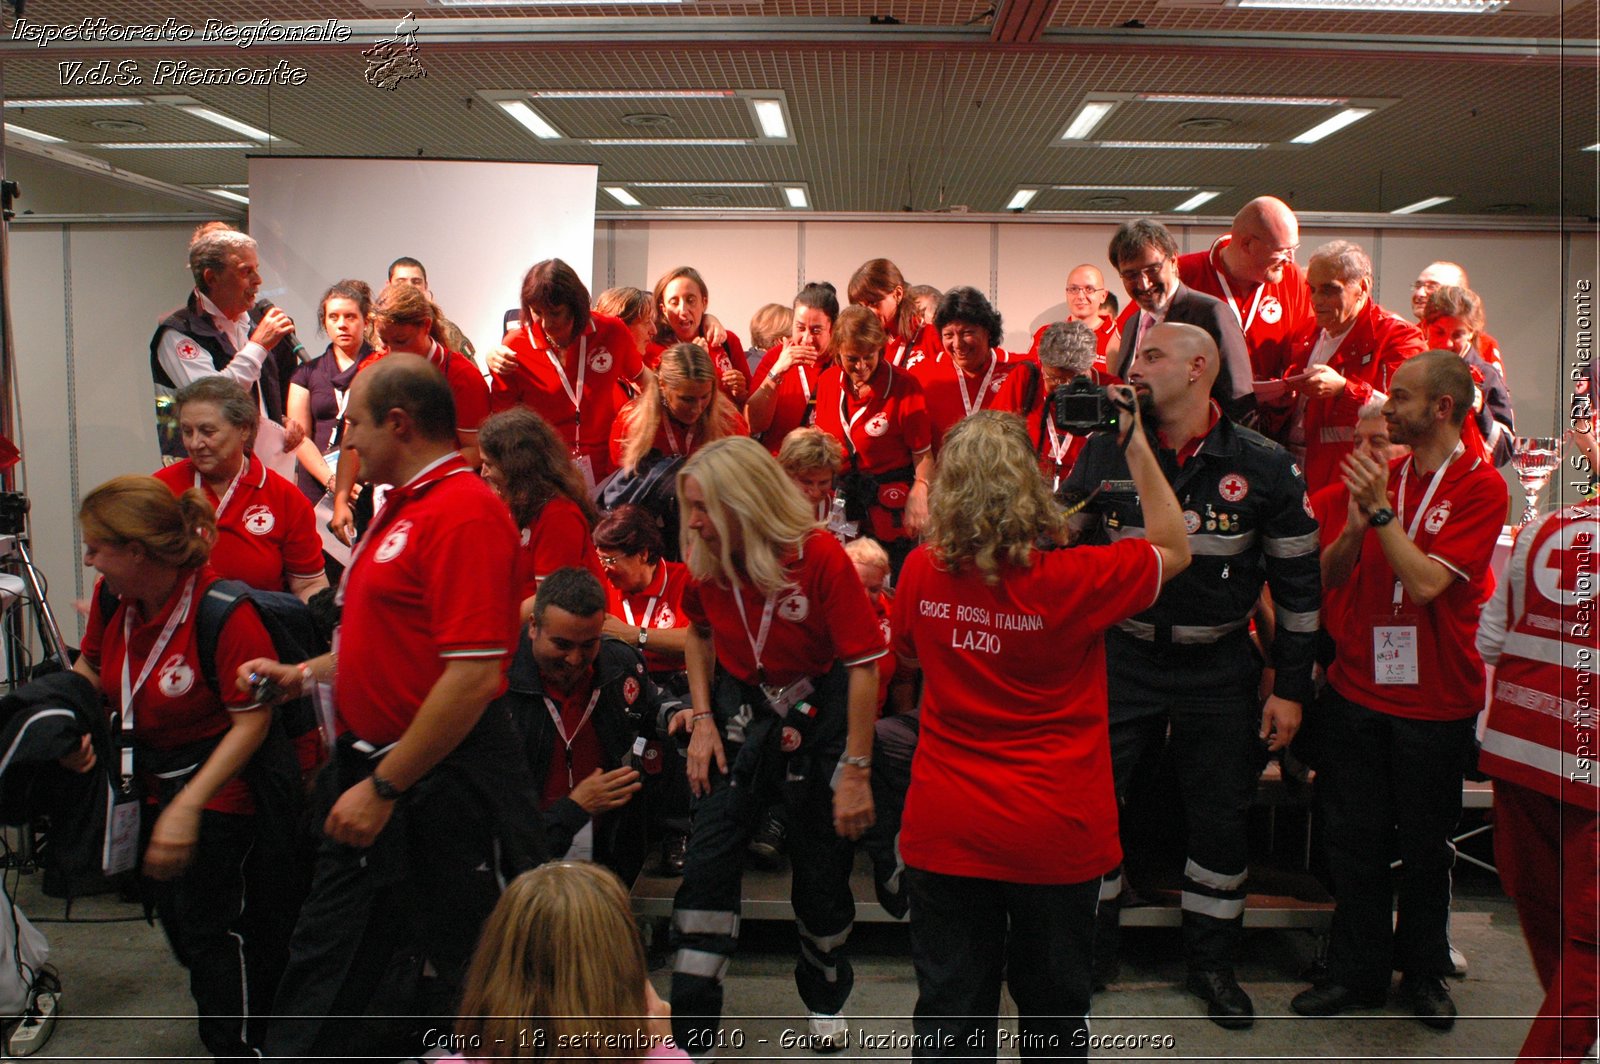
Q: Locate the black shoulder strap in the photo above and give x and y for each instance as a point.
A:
(216, 606)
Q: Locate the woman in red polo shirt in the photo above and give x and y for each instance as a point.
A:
(1013, 751)
(876, 411)
(266, 530)
(880, 286)
(634, 308)
(569, 365)
(781, 655)
(679, 412)
(969, 374)
(786, 396)
(223, 900)
(525, 464)
(681, 299)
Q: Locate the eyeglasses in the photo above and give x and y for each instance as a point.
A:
(1429, 287)
(1081, 290)
(1151, 273)
(610, 560)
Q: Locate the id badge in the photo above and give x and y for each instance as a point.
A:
(332, 460)
(1394, 652)
(783, 699)
(121, 850)
(585, 466)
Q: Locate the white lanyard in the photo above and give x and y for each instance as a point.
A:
(758, 640)
(131, 687)
(899, 352)
(561, 728)
(1422, 508)
(1245, 321)
(649, 607)
(672, 437)
(983, 389)
(1058, 445)
(805, 383)
(573, 393)
(849, 424)
(222, 504)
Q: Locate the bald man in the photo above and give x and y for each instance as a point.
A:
(1187, 662)
(1251, 268)
(1434, 276)
(1086, 302)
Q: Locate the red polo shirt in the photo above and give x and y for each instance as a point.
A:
(888, 430)
(1458, 528)
(671, 437)
(1107, 336)
(659, 605)
(725, 356)
(601, 358)
(1272, 315)
(943, 383)
(1014, 747)
(823, 616)
(558, 537)
(471, 395)
(791, 406)
(175, 706)
(267, 532)
(434, 578)
(903, 354)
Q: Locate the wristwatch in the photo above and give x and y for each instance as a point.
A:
(386, 790)
(644, 636)
(1380, 517)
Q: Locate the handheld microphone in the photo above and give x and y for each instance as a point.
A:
(299, 349)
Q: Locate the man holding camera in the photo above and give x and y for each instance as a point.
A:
(1188, 663)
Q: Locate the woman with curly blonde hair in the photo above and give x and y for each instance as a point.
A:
(777, 604)
(1014, 745)
(560, 974)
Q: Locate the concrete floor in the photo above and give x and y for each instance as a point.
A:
(125, 998)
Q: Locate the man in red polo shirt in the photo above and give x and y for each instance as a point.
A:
(428, 806)
(1251, 268)
(1086, 303)
(1404, 689)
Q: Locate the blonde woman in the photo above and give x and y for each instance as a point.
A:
(777, 604)
(677, 413)
(812, 458)
(560, 974)
(1013, 746)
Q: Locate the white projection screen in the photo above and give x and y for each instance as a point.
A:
(475, 226)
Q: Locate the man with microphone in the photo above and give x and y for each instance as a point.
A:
(222, 331)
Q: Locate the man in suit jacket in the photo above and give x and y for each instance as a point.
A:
(1146, 256)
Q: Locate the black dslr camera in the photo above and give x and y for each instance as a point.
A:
(1081, 407)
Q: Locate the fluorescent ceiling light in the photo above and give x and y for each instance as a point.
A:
(720, 208)
(769, 113)
(1179, 145)
(1125, 188)
(1431, 7)
(176, 145)
(1330, 126)
(653, 142)
(1422, 205)
(796, 196)
(700, 184)
(1593, 147)
(43, 138)
(1116, 214)
(621, 195)
(217, 118)
(1196, 200)
(225, 194)
(530, 119)
(1265, 101)
(1089, 115)
(630, 94)
(80, 101)
(1023, 197)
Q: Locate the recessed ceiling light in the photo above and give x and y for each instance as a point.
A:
(225, 194)
(1179, 145)
(31, 134)
(769, 114)
(621, 195)
(629, 94)
(177, 145)
(1265, 101)
(653, 142)
(1022, 198)
(1329, 126)
(1422, 205)
(796, 196)
(530, 119)
(1197, 200)
(217, 118)
(79, 101)
(680, 207)
(1430, 7)
(1125, 188)
(1593, 147)
(1091, 114)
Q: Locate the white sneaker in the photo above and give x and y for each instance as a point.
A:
(1458, 963)
(829, 1034)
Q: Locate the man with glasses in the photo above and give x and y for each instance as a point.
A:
(1086, 303)
(1251, 268)
(1435, 276)
(1146, 256)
